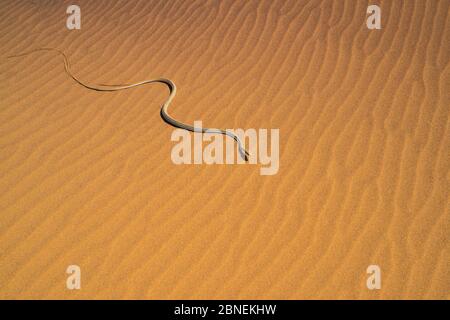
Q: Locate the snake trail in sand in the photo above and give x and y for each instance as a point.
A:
(164, 113)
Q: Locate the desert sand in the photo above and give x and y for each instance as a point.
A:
(87, 178)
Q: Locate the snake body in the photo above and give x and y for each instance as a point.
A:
(164, 108)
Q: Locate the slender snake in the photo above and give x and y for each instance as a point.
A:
(164, 113)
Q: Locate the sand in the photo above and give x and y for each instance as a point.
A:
(87, 178)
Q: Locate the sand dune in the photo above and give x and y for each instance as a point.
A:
(87, 178)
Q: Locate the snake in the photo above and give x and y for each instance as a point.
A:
(164, 108)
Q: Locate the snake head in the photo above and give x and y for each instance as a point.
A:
(244, 154)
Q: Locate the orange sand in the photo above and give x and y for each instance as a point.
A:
(87, 179)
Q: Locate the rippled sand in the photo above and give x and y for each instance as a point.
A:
(87, 178)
